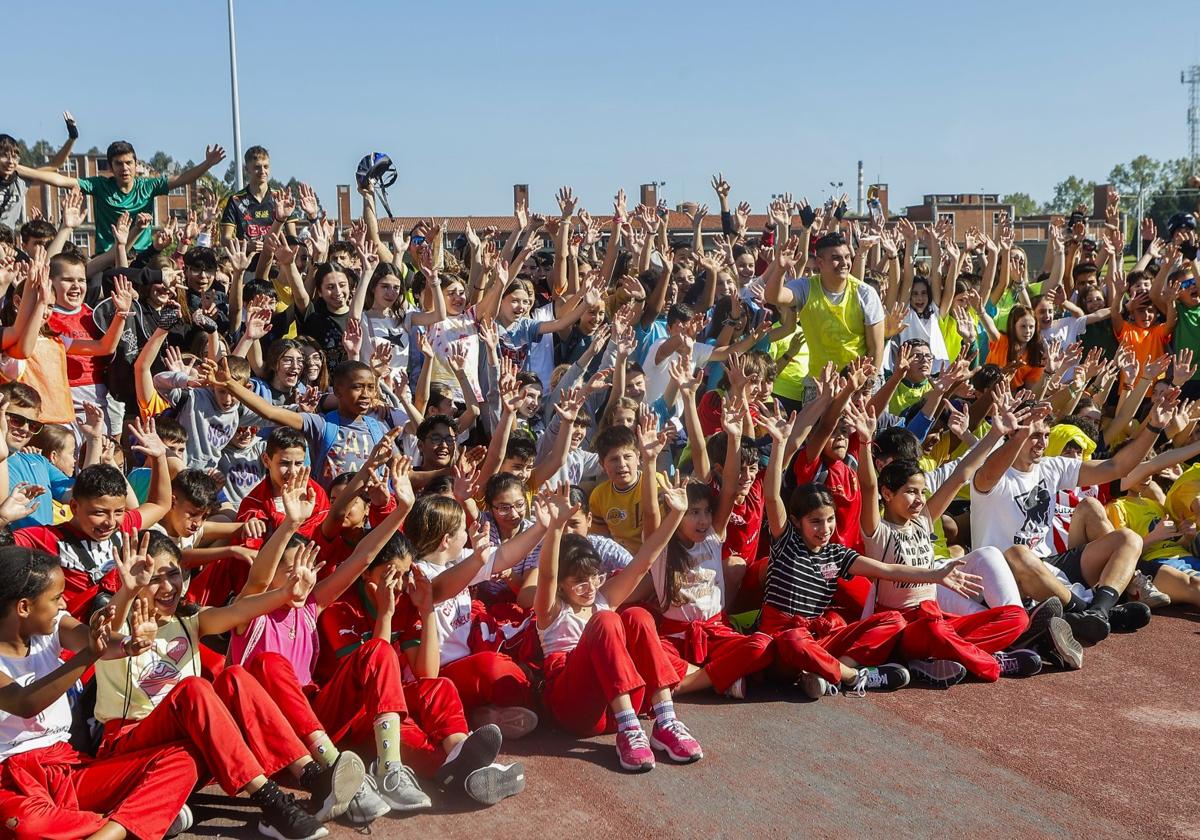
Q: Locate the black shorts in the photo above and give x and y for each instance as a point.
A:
(1069, 563)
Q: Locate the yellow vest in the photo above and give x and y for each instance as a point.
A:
(835, 331)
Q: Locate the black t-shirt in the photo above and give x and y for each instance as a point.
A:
(801, 582)
(252, 218)
(327, 329)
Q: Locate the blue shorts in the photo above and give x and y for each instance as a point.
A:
(1186, 564)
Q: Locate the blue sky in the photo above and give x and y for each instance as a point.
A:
(471, 97)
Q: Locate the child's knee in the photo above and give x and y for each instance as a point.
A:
(638, 618)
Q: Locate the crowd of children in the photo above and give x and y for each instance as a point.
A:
(290, 508)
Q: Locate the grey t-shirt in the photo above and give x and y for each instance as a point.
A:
(12, 203)
(209, 428)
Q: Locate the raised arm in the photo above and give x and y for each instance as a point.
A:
(278, 415)
(212, 156)
(619, 587)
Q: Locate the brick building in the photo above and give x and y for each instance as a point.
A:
(48, 199)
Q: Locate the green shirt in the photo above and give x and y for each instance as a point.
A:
(108, 203)
(1187, 330)
(907, 395)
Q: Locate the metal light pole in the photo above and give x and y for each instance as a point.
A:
(233, 86)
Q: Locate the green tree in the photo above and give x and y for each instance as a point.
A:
(162, 163)
(41, 151)
(230, 176)
(1023, 204)
(1070, 193)
(1141, 173)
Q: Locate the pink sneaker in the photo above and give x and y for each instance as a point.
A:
(675, 740)
(633, 751)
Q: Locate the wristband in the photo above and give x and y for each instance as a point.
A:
(72, 130)
(204, 240)
(1158, 430)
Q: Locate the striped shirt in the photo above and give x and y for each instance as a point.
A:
(802, 582)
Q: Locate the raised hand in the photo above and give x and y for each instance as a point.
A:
(148, 441)
(400, 472)
(21, 502)
(302, 576)
(310, 205)
(122, 294)
(134, 566)
(720, 185)
(419, 589)
(352, 336)
(650, 440)
(72, 209)
(675, 495)
(213, 155)
(567, 202)
(1182, 369)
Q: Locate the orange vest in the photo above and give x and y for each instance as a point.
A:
(46, 372)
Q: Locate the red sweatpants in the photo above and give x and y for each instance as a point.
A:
(816, 644)
(57, 794)
(618, 653)
(722, 651)
(233, 723)
(967, 639)
(489, 678)
(367, 684)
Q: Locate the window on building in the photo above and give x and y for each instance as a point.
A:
(997, 219)
(102, 164)
(948, 217)
(81, 240)
(179, 214)
(180, 190)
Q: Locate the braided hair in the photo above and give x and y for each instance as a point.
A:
(24, 573)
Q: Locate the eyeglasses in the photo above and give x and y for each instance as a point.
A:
(20, 421)
(590, 585)
(507, 510)
(439, 440)
(922, 357)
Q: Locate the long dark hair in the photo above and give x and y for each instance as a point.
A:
(577, 558)
(679, 559)
(1036, 349)
(24, 573)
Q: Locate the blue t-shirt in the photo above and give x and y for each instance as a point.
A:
(32, 467)
(647, 336)
(351, 446)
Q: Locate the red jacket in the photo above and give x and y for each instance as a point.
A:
(260, 504)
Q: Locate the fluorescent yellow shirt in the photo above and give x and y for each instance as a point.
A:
(1183, 492)
(1140, 515)
(789, 382)
(130, 688)
(836, 332)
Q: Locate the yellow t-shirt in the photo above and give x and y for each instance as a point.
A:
(621, 511)
(789, 382)
(131, 688)
(906, 396)
(1140, 515)
(1183, 492)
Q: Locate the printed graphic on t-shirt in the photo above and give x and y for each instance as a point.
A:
(158, 678)
(348, 453)
(1035, 506)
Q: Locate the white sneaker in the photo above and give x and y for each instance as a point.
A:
(1141, 588)
(737, 691)
(367, 805)
(814, 687)
(398, 787)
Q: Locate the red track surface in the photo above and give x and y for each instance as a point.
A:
(1110, 751)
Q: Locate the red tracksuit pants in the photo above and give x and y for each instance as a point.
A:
(489, 678)
(232, 723)
(968, 639)
(618, 653)
(816, 644)
(57, 794)
(367, 684)
(714, 645)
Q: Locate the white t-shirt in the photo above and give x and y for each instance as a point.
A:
(541, 352)
(1019, 509)
(868, 298)
(910, 544)
(456, 330)
(702, 587)
(453, 616)
(566, 629)
(658, 376)
(53, 724)
(379, 330)
(1066, 330)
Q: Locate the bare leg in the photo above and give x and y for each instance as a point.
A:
(1089, 523)
(1180, 586)
(1034, 578)
(695, 680)
(110, 831)
(1111, 559)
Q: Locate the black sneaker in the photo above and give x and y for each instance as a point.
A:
(889, 677)
(941, 673)
(1089, 626)
(282, 817)
(1130, 616)
(1060, 648)
(1019, 663)
(1039, 622)
(478, 751)
(488, 785)
(333, 788)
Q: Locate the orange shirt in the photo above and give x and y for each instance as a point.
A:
(1147, 343)
(1024, 374)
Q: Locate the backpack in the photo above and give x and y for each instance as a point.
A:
(333, 420)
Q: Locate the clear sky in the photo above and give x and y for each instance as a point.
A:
(470, 97)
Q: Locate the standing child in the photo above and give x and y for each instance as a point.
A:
(602, 667)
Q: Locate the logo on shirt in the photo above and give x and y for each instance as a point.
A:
(829, 571)
(160, 676)
(1035, 505)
